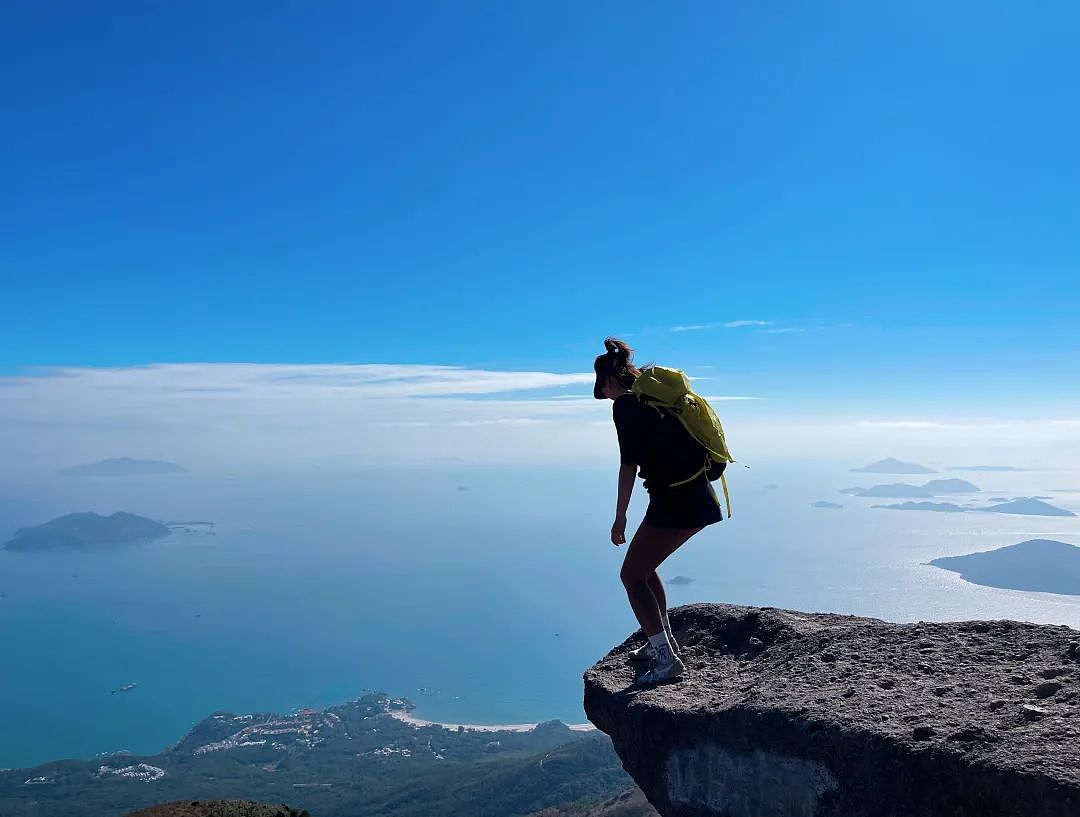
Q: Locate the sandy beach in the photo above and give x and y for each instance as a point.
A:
(482, 727)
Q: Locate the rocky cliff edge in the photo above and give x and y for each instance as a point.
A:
(789, 714)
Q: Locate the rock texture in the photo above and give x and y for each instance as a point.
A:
(789, 714)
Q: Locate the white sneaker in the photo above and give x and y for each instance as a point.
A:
(658, 673)
(645, 653)
(642, 653)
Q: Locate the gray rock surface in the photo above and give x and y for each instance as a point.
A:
(790, 714)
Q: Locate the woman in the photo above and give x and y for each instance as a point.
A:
(663, 449)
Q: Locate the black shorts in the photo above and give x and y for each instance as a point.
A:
(693, 505)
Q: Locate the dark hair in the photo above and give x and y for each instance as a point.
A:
(617, 363)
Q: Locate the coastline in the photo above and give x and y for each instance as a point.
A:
(405, 717)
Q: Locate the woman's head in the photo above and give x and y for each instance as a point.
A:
(615, 371)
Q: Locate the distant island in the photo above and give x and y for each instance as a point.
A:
(680, 580)
(1040, 565)
(942, 507)
(823, 504)
(122, 467)
(893, 466)
(1023, 506)
(986, 468)
(1028, 506)
(896, 489)
(903, 490)
(87, 530)
(951, 486)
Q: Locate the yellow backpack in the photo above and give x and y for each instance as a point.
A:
(668, 390)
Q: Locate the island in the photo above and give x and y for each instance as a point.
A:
(122, 467)
(898, 490)
(823, 504)
(893, 466)
(903, 490)
(77, 531)
(986, 468)
(1040, 565)
(680, 580)
(1023, 506)
(1028, 506)
(940, 507)
(951, 486)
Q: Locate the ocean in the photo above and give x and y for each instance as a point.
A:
(482, 594)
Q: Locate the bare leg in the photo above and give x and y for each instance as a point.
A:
(657, 588)
(648, 549)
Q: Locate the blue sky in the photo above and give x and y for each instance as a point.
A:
(500, 185)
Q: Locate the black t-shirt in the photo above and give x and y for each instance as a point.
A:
(656, 442)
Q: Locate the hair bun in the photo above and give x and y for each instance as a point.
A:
(618, 349)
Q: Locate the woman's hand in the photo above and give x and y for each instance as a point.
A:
(627, 476)
(618, 531)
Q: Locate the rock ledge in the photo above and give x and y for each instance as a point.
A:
(822, 715)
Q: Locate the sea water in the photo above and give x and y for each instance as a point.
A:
(481, 594)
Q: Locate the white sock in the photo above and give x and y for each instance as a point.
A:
(661, 647)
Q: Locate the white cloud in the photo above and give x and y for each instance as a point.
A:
(241, 415)
(692, 328)
(244, 418)
(776, 330)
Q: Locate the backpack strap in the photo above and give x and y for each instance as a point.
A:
(698, 473)
(692, 477)
(653, 403)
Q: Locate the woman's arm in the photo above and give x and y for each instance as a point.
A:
(627, 475)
